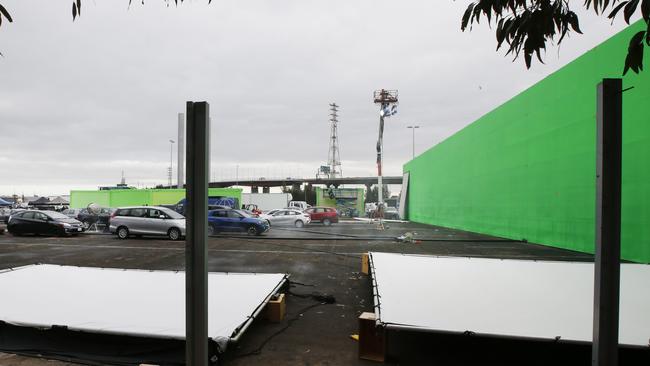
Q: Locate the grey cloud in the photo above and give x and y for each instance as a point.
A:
(81, 101)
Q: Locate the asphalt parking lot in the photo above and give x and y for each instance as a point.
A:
(320, 259)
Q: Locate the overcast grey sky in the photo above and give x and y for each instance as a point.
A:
(81, 101)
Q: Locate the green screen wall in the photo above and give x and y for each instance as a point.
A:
(526, 170)
(136, 197)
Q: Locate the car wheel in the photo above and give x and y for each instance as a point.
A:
(174, 234)
(299, 223)
(252, 230)
(327, 222)
(210, 230)
(86, 225)
(122, 232)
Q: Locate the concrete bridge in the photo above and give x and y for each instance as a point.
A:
(266, 184)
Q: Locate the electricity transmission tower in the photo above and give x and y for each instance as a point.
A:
(333, 157)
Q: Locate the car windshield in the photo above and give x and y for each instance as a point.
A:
(56, 215)
(172, 214)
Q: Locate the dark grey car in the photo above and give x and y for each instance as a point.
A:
(147, 220)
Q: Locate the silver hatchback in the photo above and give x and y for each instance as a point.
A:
(147, 220)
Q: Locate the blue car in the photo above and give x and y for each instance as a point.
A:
(235, 220)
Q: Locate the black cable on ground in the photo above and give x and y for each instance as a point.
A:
(320, 297)
(302, 311)
(300, 284)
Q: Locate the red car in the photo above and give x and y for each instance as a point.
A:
(326, 215)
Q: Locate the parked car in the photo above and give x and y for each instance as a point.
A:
(289, 217)
(235, 220)
(43, 222)
(100, 216)
(72, 212)
(299, 205)
(391, 213)
(213, 204)
(326, 215)
(147, 220)
(5, 212)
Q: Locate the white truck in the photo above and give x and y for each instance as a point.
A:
(266, 201)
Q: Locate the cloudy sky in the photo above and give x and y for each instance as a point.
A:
(81, 101)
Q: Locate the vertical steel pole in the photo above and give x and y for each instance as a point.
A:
(413, 144)
(171, 164)
(181, 151)
(608, 222)
(380, 162)
(196, 268)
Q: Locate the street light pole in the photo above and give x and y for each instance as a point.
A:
(171, 161)
(413, 129)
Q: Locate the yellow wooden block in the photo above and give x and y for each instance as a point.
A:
(276, 309)
(372, 345)
(365, 263)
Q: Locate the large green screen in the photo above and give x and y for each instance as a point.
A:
(526, 170)
(136, 197)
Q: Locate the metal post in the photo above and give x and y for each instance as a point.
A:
(196, 268)
(380, 162)
(180, 182)
(413, 143)
(171, 162)
(608, 222)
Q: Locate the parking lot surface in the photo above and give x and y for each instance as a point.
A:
(325, 260)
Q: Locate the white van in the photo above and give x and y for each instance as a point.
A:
(299, 205)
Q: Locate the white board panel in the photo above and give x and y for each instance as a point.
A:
(530, 299)
(134, 302)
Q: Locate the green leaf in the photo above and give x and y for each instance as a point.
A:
(572, 18)
(5, 13)
(630, 8)
(617, 9)
(645, 10)
(466, 16)
(634, 59)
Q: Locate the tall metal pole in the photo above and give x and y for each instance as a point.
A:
(171, 162)
(180, 155)
(196, 255)
(608, 222)
(380, 163)
(413, 143)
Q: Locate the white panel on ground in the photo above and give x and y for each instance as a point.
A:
(132, 302)
(528, 299)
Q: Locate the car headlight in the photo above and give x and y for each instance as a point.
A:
(65, 224)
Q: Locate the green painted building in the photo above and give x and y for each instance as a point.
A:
(347, 200)
(527, 169)
(137, 197)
